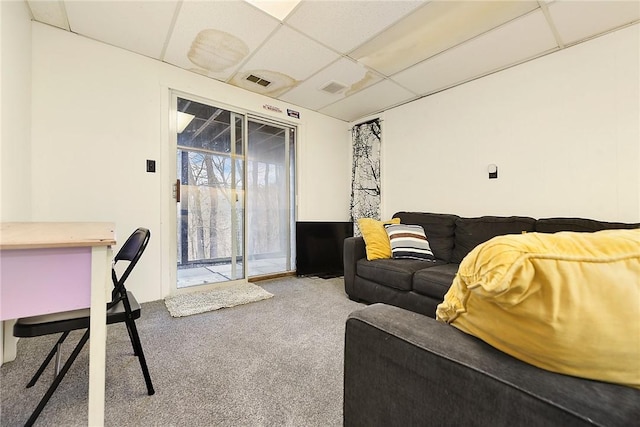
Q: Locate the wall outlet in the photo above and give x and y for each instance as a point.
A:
(151, 166)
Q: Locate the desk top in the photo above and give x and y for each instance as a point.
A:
(33, 235)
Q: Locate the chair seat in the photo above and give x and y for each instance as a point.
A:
(53, 323)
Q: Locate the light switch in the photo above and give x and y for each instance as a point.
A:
(493, 171)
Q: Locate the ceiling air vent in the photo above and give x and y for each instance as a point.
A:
(333, 87)
(258, 80)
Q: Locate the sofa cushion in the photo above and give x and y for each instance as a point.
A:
(393, 273)
(439, 229)
(375, 237)
(553, 225)
(470, 232)
(435, 281)
(408, 241)
(566, 302)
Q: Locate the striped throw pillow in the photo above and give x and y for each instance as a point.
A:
(408, 242)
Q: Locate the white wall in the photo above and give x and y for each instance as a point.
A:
(99, 112)
(15, 126)
(324, 171)
(564, 131)
(15, 111)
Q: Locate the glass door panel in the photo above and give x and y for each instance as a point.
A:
(270, 186)
(210, 169)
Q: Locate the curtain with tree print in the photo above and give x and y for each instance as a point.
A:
(365, 173)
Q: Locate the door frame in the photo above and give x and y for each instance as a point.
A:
(168, 175)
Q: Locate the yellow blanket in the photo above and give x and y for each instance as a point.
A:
(565, 302)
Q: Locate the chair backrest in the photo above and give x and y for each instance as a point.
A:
(131, 251)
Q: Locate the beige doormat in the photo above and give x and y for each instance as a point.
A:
(224, 296)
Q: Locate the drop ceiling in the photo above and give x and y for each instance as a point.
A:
(346, 59)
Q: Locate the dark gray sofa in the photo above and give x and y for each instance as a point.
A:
(405, 369)
(420, 286)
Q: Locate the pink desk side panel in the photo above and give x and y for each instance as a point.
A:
(41, 281)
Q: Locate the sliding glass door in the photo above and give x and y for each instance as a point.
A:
(234, 194)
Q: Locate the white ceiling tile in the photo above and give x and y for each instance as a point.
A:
(370, 100)
(576, 20)
(282, 54)
(284, 51)
(49, 12)
(437, 26)
(343, 25)
(138, 26)
(213, 38)
(344, 71)
(516, 41)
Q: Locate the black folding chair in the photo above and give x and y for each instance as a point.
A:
(122, 308)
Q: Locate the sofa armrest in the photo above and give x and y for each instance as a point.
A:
(354, 250)
(403, 368)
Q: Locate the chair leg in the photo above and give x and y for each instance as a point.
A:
(54, 350)
(135, 350)
(58, 358)
(56, 382)
(137, 347)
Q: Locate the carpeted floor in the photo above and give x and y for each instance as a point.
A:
(276, 362)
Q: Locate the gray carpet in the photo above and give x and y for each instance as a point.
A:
(278, 362)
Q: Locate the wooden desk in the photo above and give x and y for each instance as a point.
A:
(49, 267)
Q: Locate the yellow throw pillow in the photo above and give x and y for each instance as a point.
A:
(566, 302)
(375, 237)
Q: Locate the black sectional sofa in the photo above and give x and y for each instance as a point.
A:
(404, 368)
(420, 286)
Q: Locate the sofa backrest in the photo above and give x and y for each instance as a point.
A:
(470, 232)
(452, 237)
(439, 228)
(553, 225)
